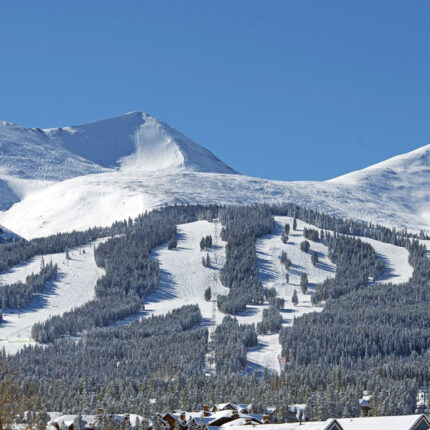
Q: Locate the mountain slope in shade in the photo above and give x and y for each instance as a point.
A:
(30, 153)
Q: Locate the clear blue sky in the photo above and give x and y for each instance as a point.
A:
(287, 90)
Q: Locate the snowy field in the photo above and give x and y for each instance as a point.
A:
(73, 287)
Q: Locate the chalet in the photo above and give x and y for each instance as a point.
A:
(207, 420)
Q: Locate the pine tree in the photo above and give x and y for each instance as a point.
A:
(305, 246)
(208, 294)
(314, 258)
(304, 283)
(295, 223)
(295, 299)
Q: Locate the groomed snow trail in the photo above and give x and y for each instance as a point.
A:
(273, 275)
(183, 277)
(73, 287)
(269, 249)
(396, 261)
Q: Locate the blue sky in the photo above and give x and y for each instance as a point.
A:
(289, 90)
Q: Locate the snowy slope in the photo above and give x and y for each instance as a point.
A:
(136, 141)
(269, 249)
(29, 153)
(74, 286)
(183, 277)
(100, 199)
(404, 178)
(125, 165)
(273, 275)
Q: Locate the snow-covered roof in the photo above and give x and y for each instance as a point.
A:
(88, 420)
(313, 425)
(237, 407)
(212, 418)
(402, 422)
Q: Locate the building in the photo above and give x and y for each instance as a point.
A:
(403, 422)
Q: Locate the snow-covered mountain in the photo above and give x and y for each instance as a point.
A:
(97, 173)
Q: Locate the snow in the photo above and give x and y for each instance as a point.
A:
(29, 153)
(402, 422)
(73, 287)
(312, 425)
(183, 277)
(120, 167)
(396, 261)
(272, 273)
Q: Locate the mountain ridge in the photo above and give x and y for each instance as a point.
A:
(151, 165)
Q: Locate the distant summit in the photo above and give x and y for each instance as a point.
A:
(136, 141)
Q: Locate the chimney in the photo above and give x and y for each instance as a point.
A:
(205, 408)
(364, 404)
(182, 417)
(101, 411)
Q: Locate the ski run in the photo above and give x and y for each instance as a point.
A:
(74, 286)
(184, 280)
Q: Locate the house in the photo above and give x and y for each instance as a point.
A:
(244, 409)
(296, 413)
(207, 420)
(403, 422)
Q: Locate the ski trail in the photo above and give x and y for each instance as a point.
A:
(73, 287)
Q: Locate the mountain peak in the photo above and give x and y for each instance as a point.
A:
(136, 141)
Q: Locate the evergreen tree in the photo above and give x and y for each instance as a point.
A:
(208, 294)
(314, 258)
(304, 246)
(294, 224)
(295, 299)
(173, 243)
(304, 283)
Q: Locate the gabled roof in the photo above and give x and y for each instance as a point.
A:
(401, 422)
(235, 406)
